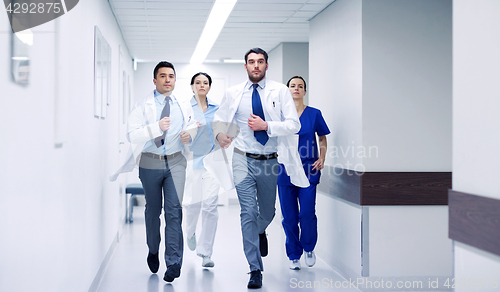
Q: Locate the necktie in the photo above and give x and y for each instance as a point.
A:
(159, 141)
(261, 135)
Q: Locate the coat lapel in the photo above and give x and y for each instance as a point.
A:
(150, 108)
(237, 100)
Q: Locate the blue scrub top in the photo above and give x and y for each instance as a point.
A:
(312, 123)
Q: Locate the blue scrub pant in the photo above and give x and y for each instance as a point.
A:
(303, 238)
(164, 181)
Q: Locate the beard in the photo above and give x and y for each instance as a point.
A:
(257, 78)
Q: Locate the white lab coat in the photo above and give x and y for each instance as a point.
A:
(143, 126)
(143, 123)
(284, 123)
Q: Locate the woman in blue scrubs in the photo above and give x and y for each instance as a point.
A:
(298, 204)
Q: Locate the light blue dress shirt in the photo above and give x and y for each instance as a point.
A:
(173, 141)
(203, 142)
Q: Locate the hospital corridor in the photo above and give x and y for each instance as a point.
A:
(127, 270)
(249, 145)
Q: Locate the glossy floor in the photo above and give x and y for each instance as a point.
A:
(128, 270)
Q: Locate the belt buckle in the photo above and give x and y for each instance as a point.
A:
(254, 156)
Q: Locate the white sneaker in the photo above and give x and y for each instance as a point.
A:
(192, 242)
(295, 264)
(310, 258)
(207, 262)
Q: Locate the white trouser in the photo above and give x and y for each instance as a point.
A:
(202, 194)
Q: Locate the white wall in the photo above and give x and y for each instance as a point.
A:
(59, 215)
(407, 91)
(380, 71)
(339, 235)
(405, 243)
(275, 71)
(385, 67)
(335, 80)
(476, 97)
(287, 60)
(335, 70)
(480, 266)
(295, 61)
(476, 122)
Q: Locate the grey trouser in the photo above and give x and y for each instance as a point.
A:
(255, 182)
(167, 176)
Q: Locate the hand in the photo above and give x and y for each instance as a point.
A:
(224, 140)
(319, 164)
(185, 137)
(256, 123)
(198, 124)
(164, 124)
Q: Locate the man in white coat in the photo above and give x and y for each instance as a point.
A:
(158, 127)
(265, 113)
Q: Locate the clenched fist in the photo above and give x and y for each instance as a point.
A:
(256, 123)
(164, 124)
(224, 140)
(185, 137)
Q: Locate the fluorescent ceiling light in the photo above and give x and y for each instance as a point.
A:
(216, 20)
(145, 60)
(234, 61)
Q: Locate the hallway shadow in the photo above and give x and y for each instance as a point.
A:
(168, 288)
(153, 283)
(207, 280)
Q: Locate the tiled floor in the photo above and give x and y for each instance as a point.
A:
(128, 270)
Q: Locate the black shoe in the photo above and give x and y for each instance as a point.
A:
(263, 244)
(173, 271)
(255, 280)
(153, 262)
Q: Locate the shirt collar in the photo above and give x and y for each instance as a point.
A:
(209, 101)
(262, 83)
(161, 98)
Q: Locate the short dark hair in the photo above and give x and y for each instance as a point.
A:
(256, 51)
(204, 74)
(162, 64)
(299, 77)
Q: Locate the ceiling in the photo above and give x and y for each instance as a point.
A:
(169, 30)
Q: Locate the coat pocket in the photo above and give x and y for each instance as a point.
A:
(276, 107)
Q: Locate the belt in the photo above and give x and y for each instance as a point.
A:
(257, 156)
(161, 157)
